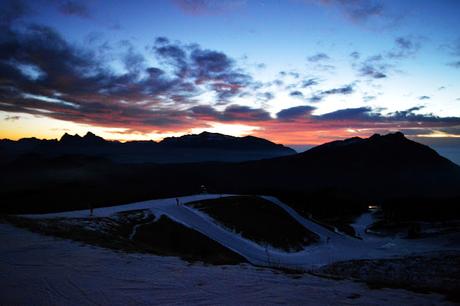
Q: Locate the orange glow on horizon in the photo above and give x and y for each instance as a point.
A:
(287, 133)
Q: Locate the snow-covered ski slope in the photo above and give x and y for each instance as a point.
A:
(42, 270)
(331, 248)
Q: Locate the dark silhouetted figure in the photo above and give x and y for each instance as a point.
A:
(268, 255)
(414, 231)
(91, 210)
(177, 202)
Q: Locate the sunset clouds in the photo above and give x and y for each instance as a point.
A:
(169, 85)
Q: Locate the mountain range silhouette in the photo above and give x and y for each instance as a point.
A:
(69, 172)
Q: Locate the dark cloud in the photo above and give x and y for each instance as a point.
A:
(256, 85)
(309, 82)
(315, 98)
(293, 74)
(210, 68)
(205, 111)
(424, 98)
(134, 62)
(367, 117)
(361, 113)
(265, 96)
(374, 67)
(344, 90)
(73, 8)
(378, 66)
(359, 11)
(161, 40)
(455, 64)
(42, 74)
(323, 67)
(171, 54)
(12, 10)
(453, 48)
(244, 113)
(219, 72)
(319, 62)
(296, 94)
(371, 71)
(12, 118)
(209, 63)
(318, 57)
(299, 123)
(207, 7)
(409, 115)
(235, 113)
(405, 43)
(295, 112)
(455, 130)
(301, 118)
(369, 98)
(405, 46)
(355, 55)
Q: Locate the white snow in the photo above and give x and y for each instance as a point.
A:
(42, 270)
(363, 222)
(332, 247)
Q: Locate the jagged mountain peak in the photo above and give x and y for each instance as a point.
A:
(77, 139)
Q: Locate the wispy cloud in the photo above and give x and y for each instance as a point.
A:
(296, 94)
(69, 7)
(405, 46)
(12, 118)
(206, 7)
(344, 90)
(364, 12)
(318, 57)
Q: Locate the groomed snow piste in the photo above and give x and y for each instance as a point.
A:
(332, 247)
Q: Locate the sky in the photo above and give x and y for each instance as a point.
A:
(297, 72)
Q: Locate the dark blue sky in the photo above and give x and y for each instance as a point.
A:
(294, 71)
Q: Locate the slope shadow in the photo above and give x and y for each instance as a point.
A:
(259, 220)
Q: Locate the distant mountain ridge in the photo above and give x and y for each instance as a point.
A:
(375, 169)
(393, 149)
(89, 138)
(188, 148)
(388, 164)
(216, 140)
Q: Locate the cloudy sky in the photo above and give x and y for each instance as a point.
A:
(298, 72)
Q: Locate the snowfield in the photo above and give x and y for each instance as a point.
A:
(50, 271)
(333, 246)
(42, 270)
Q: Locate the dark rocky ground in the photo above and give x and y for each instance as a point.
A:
(432, 272)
